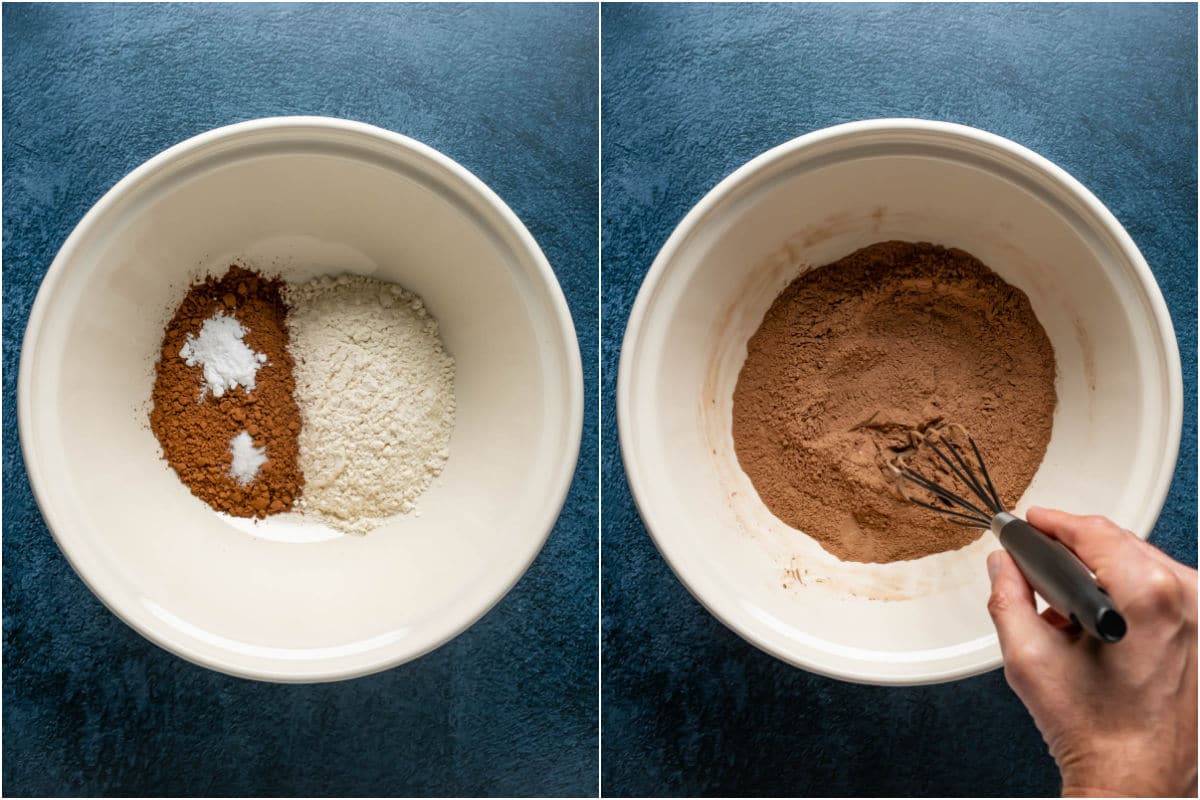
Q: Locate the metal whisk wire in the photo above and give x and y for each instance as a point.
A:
(1051, 569)
(962, 511)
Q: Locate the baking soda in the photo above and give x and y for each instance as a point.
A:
(246, 459)
(227, 360)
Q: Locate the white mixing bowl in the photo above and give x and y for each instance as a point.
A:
(812, 201)
(299, 196)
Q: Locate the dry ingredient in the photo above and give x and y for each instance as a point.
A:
(376, 393)
(370, 380)
(221, 350)
(207, 395)
(247, 459)
(855, 356)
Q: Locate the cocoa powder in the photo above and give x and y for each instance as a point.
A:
(195, 428)
(855, 356)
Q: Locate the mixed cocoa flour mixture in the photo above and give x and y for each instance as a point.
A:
(856, 358)
(233, 444)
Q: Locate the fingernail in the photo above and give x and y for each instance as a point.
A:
(993, 564)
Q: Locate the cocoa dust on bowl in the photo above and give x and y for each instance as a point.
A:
(332, 398)
(855, 360)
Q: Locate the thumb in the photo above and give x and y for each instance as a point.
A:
(1022, 632)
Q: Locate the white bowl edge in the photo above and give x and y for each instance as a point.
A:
(167, 637)
(636, 480)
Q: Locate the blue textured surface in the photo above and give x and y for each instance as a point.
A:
(507, 708)
(689, 94)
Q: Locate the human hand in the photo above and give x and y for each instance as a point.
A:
(1119, 719)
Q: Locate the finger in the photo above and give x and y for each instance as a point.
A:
(1115, 555)
(1096, 540)
(1144, 583)
(1057, 620)
(1185, 574)
(1014, 612)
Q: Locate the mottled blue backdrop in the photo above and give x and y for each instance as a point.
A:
(92, 91)
(690, 93)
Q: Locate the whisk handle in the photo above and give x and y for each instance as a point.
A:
(1060, 577)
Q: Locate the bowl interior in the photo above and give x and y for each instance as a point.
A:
(292, 602)
(914, 621)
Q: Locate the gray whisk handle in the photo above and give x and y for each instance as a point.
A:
(1060, 577)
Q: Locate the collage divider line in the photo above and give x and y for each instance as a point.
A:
(599, 402)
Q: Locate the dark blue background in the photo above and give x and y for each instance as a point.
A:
(507, 708)
(689, 94)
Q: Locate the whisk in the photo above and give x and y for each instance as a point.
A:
(1053, 571)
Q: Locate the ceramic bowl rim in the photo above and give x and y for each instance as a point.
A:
(470, 189)
(951, 134)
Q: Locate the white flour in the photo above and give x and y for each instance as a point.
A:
(376, 396)
(228, 361)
